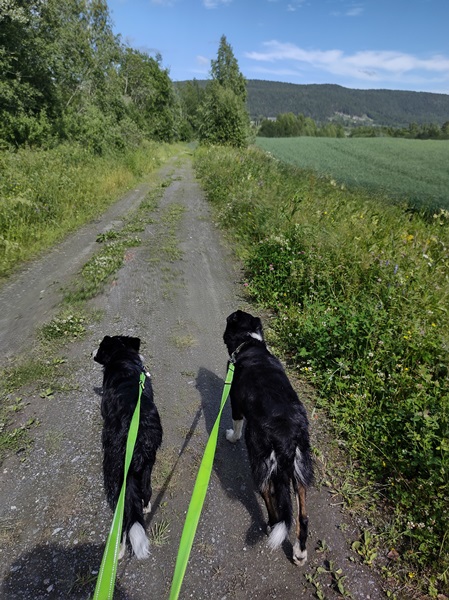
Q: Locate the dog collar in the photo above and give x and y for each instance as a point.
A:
(233, 356)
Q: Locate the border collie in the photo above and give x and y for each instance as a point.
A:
(276, 430)
(122, 367)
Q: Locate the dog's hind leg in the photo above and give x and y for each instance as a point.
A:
(302, 521)
(268, 497)
(122, 549)
(147, 490)
(233, 435)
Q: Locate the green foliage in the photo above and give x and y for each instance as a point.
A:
(289, 125)
(65, 327)
(225, 70)
(359, 289)
(408, 170)
(222, 115)
(191, 95)
(64, 75)
(414, 131)
(223, 119)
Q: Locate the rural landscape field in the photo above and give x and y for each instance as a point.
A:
(413, 171)
(342, 243)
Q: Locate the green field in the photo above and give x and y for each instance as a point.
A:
(416, 171)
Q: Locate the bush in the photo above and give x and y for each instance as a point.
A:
(223, 118)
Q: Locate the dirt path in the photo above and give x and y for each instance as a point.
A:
(174, 292)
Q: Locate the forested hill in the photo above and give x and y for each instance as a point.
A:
(325, 101)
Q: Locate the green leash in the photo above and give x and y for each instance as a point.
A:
(198, 496)
(104, 590)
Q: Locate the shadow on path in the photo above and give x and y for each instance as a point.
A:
(231, 463)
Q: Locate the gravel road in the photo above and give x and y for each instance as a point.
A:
(174, 292)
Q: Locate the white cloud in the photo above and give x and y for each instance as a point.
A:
(202, 60)
(374, 65)
(354, 11)
(215, 3)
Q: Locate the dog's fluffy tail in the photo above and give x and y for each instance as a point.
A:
(277, 535)
(133, 520)
(139, 541)
(283, 502)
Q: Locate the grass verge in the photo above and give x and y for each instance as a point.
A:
(359, 290)
(46, 194)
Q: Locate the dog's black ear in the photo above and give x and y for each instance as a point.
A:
(232, 317)
(134, 343)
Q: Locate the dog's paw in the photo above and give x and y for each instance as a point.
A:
(147, 509)
(122, 548)
(299, 556)
(231, 436)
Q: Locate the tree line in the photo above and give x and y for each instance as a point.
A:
(290, 125)
(65, 76)
(430, 131)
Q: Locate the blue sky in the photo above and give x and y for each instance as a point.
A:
(366, 44)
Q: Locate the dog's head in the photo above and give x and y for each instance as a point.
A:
(240, 327)
(111, 345)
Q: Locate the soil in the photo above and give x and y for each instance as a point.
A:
(54, 519)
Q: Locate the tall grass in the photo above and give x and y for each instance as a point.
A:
(412, 170)
(360, 291)
(46, 193)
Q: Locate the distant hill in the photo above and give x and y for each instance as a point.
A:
(324, 102)
(333, 102)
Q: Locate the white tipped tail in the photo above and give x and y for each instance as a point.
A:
(277, 535)
(139, 541)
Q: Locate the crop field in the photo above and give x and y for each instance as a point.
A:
(416, 171)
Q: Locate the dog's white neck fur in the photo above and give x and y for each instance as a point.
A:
(256, 336)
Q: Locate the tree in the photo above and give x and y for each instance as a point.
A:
(223, 115)
(223, 118)
(191, 95)
(64, 75)
(226, 71)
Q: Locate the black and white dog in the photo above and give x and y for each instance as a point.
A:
(122, 367)
(276, 431)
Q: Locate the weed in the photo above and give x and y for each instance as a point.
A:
(16, 440)
(365, 547)
(159, 533)
(183, 341)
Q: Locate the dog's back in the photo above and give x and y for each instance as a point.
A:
(276, 434)
(123, 367)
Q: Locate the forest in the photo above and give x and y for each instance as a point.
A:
(350, 107)
(66, 77)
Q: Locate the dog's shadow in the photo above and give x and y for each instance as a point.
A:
(231, 463)
(55, 572)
